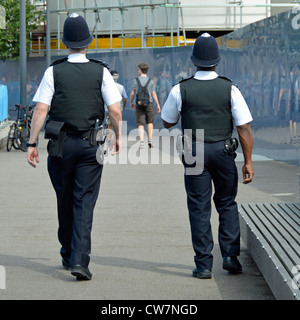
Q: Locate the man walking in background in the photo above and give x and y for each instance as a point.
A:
(143, 88)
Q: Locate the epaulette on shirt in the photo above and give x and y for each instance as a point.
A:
(101, 62)
(185, 79)
(65, 59)
(230, 81)
(58, 61)
(222, 77)
(233, 83)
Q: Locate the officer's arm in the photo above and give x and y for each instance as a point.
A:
(246, 139)
(38, 119)
(170, 110)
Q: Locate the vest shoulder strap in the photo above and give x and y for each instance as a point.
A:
(228, 79)
(101, 62)
(65, 59)
(58, 61)
(185, 79)
(225, 78)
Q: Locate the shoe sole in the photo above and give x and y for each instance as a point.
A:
(203, 276)
(232, 269)
(80, 275)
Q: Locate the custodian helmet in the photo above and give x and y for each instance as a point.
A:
(205, 51)
(76, 32)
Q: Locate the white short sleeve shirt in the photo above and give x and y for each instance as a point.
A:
(239, 109)
(109, 90)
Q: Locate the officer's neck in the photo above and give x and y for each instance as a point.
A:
(81, 51)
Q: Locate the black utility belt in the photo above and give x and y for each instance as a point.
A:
(184, 143)
(230, 145)
(56, 131)
(85, 135)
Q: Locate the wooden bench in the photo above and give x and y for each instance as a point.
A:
(271, 233)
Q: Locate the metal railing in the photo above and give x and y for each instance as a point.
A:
(175, 29)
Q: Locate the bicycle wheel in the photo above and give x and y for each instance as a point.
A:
(15, 144)
(10, 137)
(22, 136)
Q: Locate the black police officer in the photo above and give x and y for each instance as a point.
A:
(75, 89)
(212, 103)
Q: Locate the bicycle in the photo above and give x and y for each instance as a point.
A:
(19, 131)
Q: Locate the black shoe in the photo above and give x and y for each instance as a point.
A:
(202, 273)
(232, 265)
(81, 273)
(66, 264)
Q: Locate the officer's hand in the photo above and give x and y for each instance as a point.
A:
(115, 145)
(248, 173)
(158, 109)
(132, 106)
(32, 153)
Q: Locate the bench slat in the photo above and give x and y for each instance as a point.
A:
(268, 231)
(272, 235)
(297, 206)
(292, 211)
(288, 217)
(289, 235)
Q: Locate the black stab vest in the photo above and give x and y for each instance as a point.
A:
(77, 98)
(206, 104)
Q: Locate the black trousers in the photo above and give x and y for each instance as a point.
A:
(76, 180)
(219, 168)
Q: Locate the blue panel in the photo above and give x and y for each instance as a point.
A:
(263, 59)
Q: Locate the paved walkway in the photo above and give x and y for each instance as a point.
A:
(141, 246)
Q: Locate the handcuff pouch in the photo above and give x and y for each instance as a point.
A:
(56, 135)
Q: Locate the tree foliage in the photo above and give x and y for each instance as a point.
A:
(9, 37)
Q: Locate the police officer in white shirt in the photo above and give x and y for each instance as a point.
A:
(212, 103)
(74, 91)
